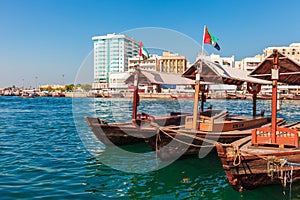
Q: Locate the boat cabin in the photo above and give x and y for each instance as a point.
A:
(204, 73)
(277, 68)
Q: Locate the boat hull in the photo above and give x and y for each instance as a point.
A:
(255, 170)
(119, 135)
(172, 144)
(127, 133)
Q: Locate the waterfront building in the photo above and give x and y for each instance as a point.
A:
(249, 63)
(223, 61)
(111, 53)
(117, 80)
(172, 63)
(151, 64)
(292, 51)
(168, 62)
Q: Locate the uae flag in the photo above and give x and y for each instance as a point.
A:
(143, 52)
(210, 39)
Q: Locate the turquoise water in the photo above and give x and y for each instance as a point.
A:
(48, 152)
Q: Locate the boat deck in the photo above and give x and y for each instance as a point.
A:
(247, 147)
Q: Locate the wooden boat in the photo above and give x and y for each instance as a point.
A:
(272, 154)
(248, 165)
(293, 97)
(267, 97)
(129, 133)
(142, 125)
(182, 96)
(174, 143)
(264, 96)
(29, 95)
(58, 94)
(201, 131)
(230, 95)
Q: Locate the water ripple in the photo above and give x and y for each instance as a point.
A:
(44, 156)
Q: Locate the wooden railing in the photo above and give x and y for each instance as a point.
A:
(284, 137)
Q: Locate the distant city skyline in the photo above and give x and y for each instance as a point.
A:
(47, 41)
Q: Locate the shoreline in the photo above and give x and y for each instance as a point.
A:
(157, 96)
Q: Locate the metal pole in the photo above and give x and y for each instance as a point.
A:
(275, 76)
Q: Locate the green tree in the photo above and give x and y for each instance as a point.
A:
(49, 88)
(86, 87)
(69, 87)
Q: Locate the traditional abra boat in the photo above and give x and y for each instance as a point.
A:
(204, 130)
(293, 97)
(272, 154)
(182, 96)
(142, 125)
(29, 94)
(130, 133)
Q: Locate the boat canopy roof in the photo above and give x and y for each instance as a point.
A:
(213, 72)
(160, 78)
(289, 70)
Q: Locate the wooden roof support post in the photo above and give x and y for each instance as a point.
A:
(196, 101)
(254, 98)
(135, 94)
(275, 77)
(202, 101)
(254, 89)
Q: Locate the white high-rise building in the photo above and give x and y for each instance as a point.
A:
(111, 53)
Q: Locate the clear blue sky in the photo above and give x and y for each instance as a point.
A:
(49, 38)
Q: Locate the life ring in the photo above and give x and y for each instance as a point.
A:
(253, 88)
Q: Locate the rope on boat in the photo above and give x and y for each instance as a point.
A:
(237, 158)
(280, 166)
(186, 143)
(184, 134)
(281, 161)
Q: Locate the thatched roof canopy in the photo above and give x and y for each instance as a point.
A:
(289, 70)
(159, 78)
(213, 72)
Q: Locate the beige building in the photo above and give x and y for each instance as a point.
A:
(151, 63)
(292, 51)
(172, 63)
(223, 61)
(168, 62)
(249, 63)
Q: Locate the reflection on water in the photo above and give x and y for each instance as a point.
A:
(183, 179)
(44, 143)
(189, 178)
(179, 180)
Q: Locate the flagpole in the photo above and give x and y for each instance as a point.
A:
(202, 52)
(202, 92)
(197, 87)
